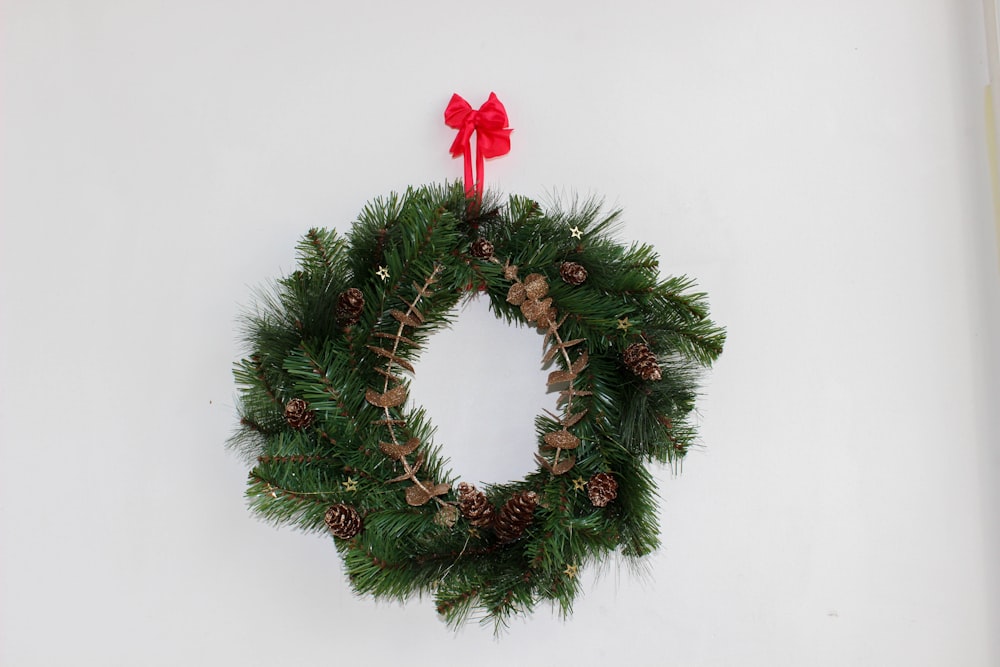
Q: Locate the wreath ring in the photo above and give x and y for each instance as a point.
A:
(336, 448)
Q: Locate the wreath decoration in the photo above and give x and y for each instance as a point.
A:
(337, 447)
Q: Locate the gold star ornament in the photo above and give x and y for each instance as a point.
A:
(350, 485)
(575, 231)
(579, 484)
(571, 571)
(383, 272)
(624, 324)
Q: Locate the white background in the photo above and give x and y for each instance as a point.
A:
(819, 167)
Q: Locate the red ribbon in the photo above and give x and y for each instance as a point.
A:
(489, 123)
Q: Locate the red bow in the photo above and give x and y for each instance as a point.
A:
(492, 138)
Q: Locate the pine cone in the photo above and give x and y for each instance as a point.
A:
(573, 273)
(343, 521)
(298, 415)
(640, 360)
(602, 489)
(350, 304)
(481, 248)
(515, 515)
(476, 508)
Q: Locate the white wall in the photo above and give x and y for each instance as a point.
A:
(819, 167)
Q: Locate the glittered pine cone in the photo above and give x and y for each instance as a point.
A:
(602, 489)
(573, 273)
(350, 304)
(298, 415)
(481, 248)
(343, 521)
(515, 516)
(640, 360)
(475, 507)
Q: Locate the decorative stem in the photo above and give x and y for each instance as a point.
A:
(389, 421)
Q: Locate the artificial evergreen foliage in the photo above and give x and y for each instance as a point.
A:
(338, 448)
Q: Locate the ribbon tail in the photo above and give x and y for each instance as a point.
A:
(480, 167)
(470, 187)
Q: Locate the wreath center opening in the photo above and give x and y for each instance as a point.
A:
(468, 369)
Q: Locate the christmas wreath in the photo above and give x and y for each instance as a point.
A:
(338, 448)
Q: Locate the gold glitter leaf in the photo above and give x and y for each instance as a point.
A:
(396, 452)
(418, 495)
(509, 271)
(580, 363)
(394, 378)
(423, 290)
(401, 339)
(555, 349)
(560, 468)
(561, 440)
(516, 294)
(547, 318)
(382, 352)
(555, 377)
(533, 309)
(414, 469)
(551, 354)
(536, 286)
(566, 394)
(404, 318)
(389, 399)
(564, 466)
(571, 420)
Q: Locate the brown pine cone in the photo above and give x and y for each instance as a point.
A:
(298, 415)
(602, 489)
(573, 273)
(515, 516)
(350, 304)
(640, 360)
(343, 521)
(481, 248)
(476, 508)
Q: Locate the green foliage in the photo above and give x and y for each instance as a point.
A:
(410, 254)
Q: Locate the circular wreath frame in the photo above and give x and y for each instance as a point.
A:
(336, 447)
